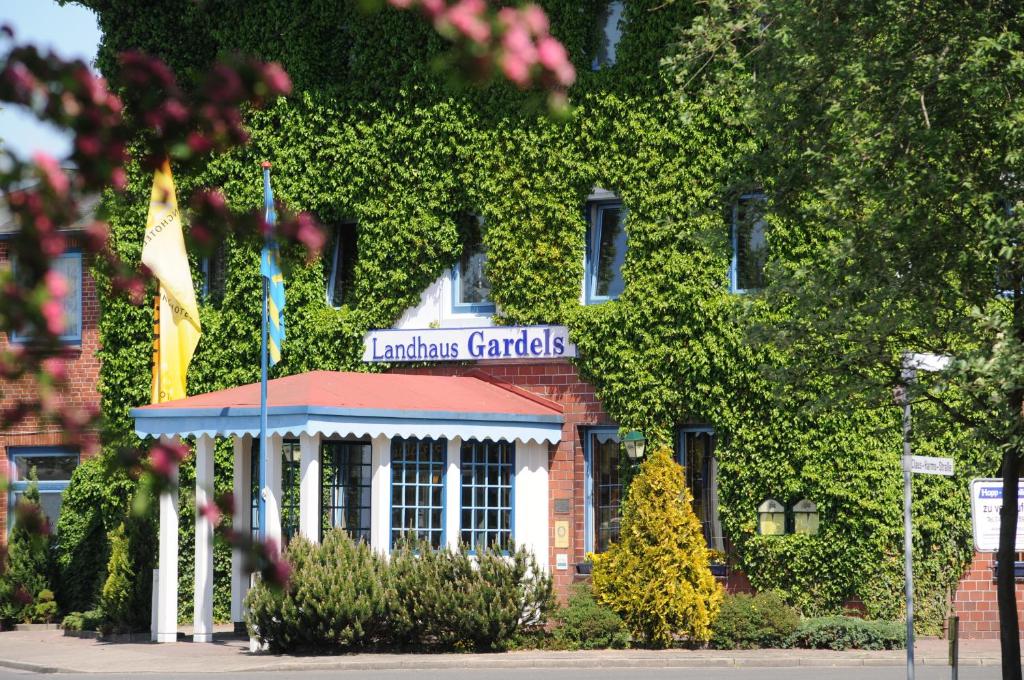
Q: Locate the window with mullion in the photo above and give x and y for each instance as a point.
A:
(471, 289)
(54, 467)
(346, 488)
(290, 485)
(487, 474)
(606, 251)
(340, 262)
(417, 488)
(608, 491)
(69, 266)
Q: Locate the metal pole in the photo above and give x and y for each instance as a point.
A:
(954, 646)
(263, 417)
(908, 538)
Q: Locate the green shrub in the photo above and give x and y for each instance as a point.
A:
(116, 596)
(337, 598)
(342, 596)
(746, 622)
(848, 632)
(93, 619)
(584, 624)
(46, 607)
(28, 558)
(657, 576)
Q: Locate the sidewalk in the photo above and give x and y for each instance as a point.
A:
(48, 651)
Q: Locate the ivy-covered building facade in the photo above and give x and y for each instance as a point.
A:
(470, 215)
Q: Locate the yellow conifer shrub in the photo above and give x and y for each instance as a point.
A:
(656, 576)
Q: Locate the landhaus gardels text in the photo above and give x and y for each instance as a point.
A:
(461, 344)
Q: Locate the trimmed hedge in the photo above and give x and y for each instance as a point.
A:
(748, 622)
(585, 624)
(848, 632)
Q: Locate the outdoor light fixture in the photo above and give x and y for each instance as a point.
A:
(771, 517)
(805, 517)
(635, 444)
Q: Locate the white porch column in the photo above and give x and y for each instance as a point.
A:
(202, 618)
(380, 494)
(167, 595)
(272, 494)
(242, 472)
(452, 490)
(531, 500)
(309, 487)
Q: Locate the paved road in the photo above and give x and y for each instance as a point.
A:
(888, 673)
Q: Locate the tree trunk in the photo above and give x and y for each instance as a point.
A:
(1009, 630)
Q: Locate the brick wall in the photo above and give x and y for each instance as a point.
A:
(975, 600)
(81, 389)
(559, 381)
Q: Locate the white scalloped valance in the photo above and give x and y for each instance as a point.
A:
(359, 423)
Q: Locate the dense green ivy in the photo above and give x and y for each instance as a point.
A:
(373, 134)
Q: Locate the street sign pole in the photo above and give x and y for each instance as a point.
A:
(908, 537)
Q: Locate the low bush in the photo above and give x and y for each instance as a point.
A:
(344, 596)
(745, 622)
(584, 624)
(90, 620)
(46, 607)
(848, 632)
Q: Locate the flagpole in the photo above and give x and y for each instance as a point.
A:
(264, 449)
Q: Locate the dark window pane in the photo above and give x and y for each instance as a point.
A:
(489, 466)
(339, 268)
(608, 27)
(48, 468)
(607, 491)
(474, 287)
(611, 251)
(751, 244)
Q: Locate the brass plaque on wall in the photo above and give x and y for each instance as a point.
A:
(561, 533)
(561, 506)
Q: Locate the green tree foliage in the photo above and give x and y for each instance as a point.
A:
(342, 596)
(657, 577)
(889, 142)
(28, 566)
(116, 596)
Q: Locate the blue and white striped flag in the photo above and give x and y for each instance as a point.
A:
(270, 267)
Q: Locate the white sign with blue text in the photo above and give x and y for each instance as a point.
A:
(468, 344)
(986, 502)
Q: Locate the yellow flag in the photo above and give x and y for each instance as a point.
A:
(177, 324)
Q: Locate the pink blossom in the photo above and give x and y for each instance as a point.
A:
(552, 56)
(277, 79)
(56, 368)
(515, 69)
(119, 179)
(53, 313)
(534, 17)
(56, 284)
(52, 173)
(401, 4)
(88, 145)
(433, 8)
(211, 512)
(466, 17)
(96, 235)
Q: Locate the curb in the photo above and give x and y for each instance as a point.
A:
(33, 667)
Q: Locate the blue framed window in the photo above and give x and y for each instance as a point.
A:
(54, 467)
(608, 27)
(603, 488)
(487, 493)
(606, 251)
(749, 244)
(339, 268)
(695, 450)
(471, 289)
(68, 265)
(417, 488)
(345, 488)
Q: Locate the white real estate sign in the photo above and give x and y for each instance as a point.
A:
(929, 465)
(468, 344)
(986, 501)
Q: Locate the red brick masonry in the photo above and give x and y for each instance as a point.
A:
(975, 600)
(81, 390)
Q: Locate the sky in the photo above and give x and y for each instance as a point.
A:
(70, 31)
